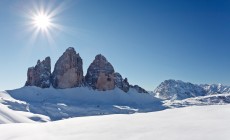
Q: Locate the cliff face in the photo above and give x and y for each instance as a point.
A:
(40, 74)
(100, 74)
(68, 71)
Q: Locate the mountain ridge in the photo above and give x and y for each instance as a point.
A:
(179, 90)
(68, 73)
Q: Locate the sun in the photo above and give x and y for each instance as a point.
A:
(42, 21)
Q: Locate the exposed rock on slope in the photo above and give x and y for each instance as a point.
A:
(121, 83)
(172, 89)
(139, 89)
(100, 74)
(118, 80)
(216, 89)
(126, 85)
(40, 74)
(68, 71)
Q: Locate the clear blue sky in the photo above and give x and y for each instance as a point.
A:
(147, 41)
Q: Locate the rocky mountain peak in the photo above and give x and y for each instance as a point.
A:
(68, 73)
(40, 74)
(100, 74)
(68, 70)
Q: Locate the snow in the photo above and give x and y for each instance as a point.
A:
(83, 113)
(110, 115)
(189, 123)
(58, 104)
(215, 88)
(179, 90)
(9, 116)
(10, 112)
(216, 99)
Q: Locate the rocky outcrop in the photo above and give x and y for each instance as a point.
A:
(100, 74)
(215, 88)
(126, 85)
(68, 71)
(118, 80)
(121, 83)
(40, 74)
(139, 89)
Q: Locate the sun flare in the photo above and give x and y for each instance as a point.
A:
(42, 21)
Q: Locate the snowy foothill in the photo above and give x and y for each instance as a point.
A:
(84, 113)
(189, 123)
(58, 104)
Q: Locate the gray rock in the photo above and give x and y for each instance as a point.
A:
(139, 89)
(118, 80)
(126, 85)
(178, 90)
(215, 88)
(100, 74)
(121, 83)
(40, 74)
(68, 71)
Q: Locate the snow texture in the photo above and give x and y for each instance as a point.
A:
(179, 90)
(60, 104)
(190, 123)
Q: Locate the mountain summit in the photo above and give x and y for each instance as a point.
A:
(68, 70)
(40, 74)
(68, 73)
(179, 90)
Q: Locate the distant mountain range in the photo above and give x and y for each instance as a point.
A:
(178, 90)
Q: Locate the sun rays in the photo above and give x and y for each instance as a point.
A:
(43, 21)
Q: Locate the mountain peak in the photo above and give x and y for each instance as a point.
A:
(100, 74)
(68, 70)
(40, 74)
(177, 89)
(70, 49)
(68, 73)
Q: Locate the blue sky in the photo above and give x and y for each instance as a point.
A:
(146, 41)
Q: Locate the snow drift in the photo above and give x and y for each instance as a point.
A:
(190, 123)
(60, 104)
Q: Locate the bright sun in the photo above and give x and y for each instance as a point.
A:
(42, 21)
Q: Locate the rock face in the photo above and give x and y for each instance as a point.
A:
(40, 74)
(139, 89)
(126, 85)
(68, 71)
(178, 90)
(215, 88)
(118, 80)
(121, 83)
(100, 74)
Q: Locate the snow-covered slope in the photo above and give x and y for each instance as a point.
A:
(190, 123)
(215, 89)
(67, 103)
(217, 99)
(8, 115)
(179, 90)
(176, 89)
